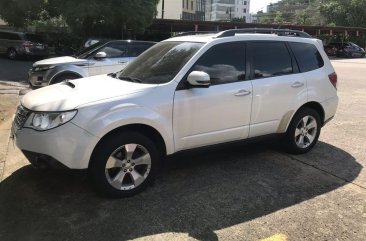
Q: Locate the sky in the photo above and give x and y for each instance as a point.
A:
(257, 5)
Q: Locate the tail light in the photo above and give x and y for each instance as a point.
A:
(27, 44)
(333, 78)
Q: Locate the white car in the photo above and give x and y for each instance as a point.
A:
(105, 56)
(183, 93)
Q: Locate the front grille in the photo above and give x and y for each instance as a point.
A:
(20, 117)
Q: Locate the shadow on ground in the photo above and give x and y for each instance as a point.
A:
(15, 70)
(196, 193)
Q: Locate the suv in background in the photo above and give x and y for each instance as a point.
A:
(102, 57)
(344, 49)
(183, 93)
(15, 44)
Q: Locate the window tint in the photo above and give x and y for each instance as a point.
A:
(34, 38)
(115, 50)
(224, 63)
(307, 56)
(9, 36)
(271, 59)
(135, 49)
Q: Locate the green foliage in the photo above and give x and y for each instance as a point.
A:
(86, 17)
(19, 13)
(345, 12)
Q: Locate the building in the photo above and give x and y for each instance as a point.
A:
(2, 22)
(227, 10)
(204, 10)
(169, 9)
(193, 10)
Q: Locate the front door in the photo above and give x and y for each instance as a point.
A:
(115, 61)
(220, 113)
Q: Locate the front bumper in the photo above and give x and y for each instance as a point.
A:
(38, 79)
(68, 144)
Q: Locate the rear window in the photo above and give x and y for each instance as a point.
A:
(271, 59)
(307, 56)
(9, 36)
(33, 38)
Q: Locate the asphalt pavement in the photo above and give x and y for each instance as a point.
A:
(236, 192)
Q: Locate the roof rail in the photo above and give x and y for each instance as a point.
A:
(195, 33)
(279, 32)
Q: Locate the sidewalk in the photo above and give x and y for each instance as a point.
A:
(10, 95)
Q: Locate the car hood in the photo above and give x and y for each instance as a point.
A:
(69, 95)
(59, 60)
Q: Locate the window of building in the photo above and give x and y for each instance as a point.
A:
(245, 2)
(307, 56)
(244, 10)
(271, 59)
(225, 63)
(187, 4)
(191, 5)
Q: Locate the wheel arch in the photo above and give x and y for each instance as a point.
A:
(287, 118)
(76, 74)
(144, 129)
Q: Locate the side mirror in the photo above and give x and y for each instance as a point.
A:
(199, 79)
(100, 55)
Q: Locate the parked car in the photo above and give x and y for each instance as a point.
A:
(344, 49)
(183, 93)
(15, 44)
(100, 58)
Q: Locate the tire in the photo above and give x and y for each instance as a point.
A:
(12, 53)
(303, 131)
(115, 173)
(63, 78)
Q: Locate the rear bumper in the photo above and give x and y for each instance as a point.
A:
(330, 107)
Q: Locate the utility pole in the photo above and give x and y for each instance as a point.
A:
(162, 9)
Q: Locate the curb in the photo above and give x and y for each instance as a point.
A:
(8, 91)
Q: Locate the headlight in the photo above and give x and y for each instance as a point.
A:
(48, 120)
(42, 68)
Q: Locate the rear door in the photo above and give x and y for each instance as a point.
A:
(278, 87)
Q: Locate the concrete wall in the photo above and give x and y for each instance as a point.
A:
(172, 9)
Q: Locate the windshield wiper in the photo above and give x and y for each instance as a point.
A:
(113, 75)
(131, 79)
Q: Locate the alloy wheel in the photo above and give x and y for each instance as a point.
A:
(128, 166)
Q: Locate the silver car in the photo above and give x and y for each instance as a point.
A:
(15, 44)
(101, 58)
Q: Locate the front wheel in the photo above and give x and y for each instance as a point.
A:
(123, 164)
(303, 132)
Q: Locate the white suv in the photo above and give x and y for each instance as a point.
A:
(183, 93)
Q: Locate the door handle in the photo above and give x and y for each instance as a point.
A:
(122, 62)
(243, 93)
(297, 84)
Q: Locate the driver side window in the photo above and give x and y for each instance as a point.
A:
(225, 63)
(115, 50)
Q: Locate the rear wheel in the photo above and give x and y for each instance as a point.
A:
(124, 164)
(12, 53)
(303, 132)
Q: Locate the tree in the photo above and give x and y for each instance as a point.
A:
(345, 12)
(19, 13)
(83, 16)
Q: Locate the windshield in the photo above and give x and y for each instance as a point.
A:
(160, 63)
(83, 54)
